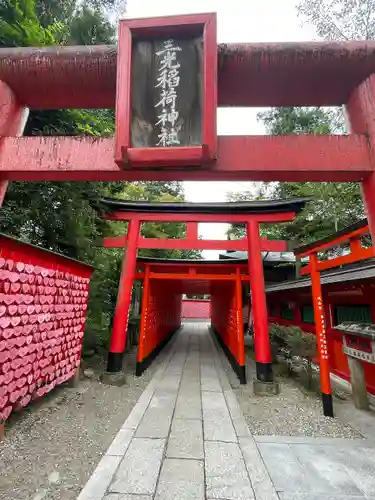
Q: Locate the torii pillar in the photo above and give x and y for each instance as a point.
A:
(13, 118)
(264, 382)
(114, 374)
(361, 113)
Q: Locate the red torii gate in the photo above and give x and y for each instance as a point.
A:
(244, 75)
(356, 253)
(164, 282)
(252, 214)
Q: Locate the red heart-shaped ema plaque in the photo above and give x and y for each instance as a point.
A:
(12, 310)
(20, 266)
(13, 277)
(24, 277)
(29, 268)
(15, 320)
(15, 287)
(4, 322)
(9, 264)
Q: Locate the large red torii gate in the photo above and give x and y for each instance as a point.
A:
(244, 75)
(252, 214)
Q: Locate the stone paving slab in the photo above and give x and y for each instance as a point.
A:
(217, 423)
(186, 439)
(323, 463)
(315, 440)
(158, 416)
(226, 474)
(312, 470)
(139, 409)
(260, 480)
(359, 463)
(115, 496)
(287, 472)
(189, 405)
(139, 470)
(298, 496)
(98, 483)
(182, 480)
(121, 442)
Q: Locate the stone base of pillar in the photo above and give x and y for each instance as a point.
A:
(265, 388)
(357, 379)
(74, 381)
(113, 378)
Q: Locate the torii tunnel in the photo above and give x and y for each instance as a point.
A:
(164, 282)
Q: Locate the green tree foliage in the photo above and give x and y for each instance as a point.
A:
(90, 27)
(21, 27)
(61, 216)
(333, 205)
(340, 19)
(286, 121)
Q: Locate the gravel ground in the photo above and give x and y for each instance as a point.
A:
(294, 412)
(52, 447)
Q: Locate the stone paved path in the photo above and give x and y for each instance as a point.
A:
(186, 439)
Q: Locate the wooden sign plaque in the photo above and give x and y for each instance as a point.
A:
(166, 92)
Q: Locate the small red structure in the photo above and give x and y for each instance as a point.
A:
(338, 293)
(348, 295)
(196, 309)
(226, 289)
(164, 284)
(43, 304)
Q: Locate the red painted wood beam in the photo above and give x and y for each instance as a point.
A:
(183, 276)
(115, 241)
(194, 277)
(185, 217)
(207, 266)
(362, 254)
(344, 238)
(274, 74)
(196, 244)
(267, 158)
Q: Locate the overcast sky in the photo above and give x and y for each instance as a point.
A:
(238, 21)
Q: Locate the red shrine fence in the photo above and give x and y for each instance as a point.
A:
(196, 309)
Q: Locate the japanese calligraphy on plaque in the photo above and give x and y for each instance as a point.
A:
(166, 92)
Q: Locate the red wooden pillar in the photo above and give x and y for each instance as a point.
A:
(361, 114)
(263, 356)
(321, 339)
(121, 317)
(13, 119)
(192, 231)
(240, 331)
(144, 318)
